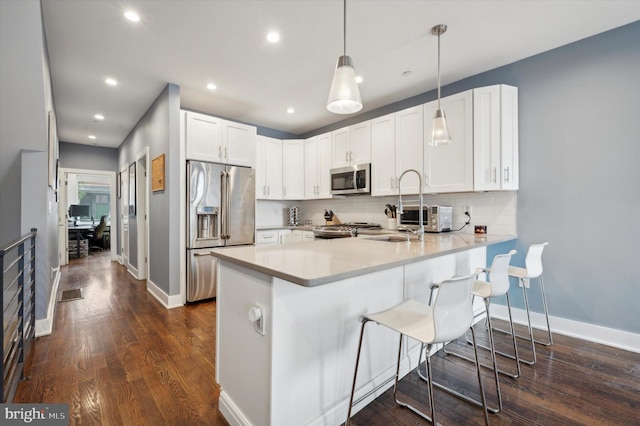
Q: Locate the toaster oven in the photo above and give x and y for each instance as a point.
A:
(434, 218)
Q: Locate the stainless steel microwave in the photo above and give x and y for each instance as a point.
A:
(351, 180)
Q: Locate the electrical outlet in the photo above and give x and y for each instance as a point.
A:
(467, 209)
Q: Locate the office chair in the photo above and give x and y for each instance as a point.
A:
(97, 236)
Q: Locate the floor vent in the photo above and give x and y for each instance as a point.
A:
(69, 295)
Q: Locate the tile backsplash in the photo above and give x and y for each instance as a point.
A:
(496, 210)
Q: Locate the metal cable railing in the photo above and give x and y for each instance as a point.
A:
(18, 297)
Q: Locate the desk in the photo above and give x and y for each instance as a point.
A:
(78, 231)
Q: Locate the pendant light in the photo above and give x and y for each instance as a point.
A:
(344, 96)
(440, 134)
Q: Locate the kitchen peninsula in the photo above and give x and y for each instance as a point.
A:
(287, 319)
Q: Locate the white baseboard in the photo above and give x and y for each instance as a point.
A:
(44, 326)
(119, 259)
(593, 333)
(230, 411)
(133, 271)
(166, 300)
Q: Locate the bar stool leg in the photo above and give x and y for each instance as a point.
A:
(526, 305)
(355, 373)
(546, 314)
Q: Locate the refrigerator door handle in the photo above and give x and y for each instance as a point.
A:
(223, 203)
(228, 205)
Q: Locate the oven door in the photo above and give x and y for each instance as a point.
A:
(410, 217)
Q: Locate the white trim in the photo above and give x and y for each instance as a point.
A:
(166, 300)
(133, 271)
(581, 330)
(230, 411)
(113, 236)
(142, 232)
(44, 326)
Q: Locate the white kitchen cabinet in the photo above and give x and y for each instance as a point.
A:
(409, 147)
(293, 169)
(268, 168)
(273, 236)
(317, 166)
(396, 145)
(203, 137)
(302, 236)
(213, 139)
(238, 144)
(449, 168)
(383, 155)
(495, 134)
(351, 145)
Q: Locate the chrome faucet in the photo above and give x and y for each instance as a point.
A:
(420, 231)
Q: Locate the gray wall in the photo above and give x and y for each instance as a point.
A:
(76, 156)
(25, 85)
(159, 129)
(579, 149)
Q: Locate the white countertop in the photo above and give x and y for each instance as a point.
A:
(324, 261)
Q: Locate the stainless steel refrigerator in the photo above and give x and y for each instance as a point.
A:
(221, 212)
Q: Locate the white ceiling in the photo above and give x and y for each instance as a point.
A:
(193, 42)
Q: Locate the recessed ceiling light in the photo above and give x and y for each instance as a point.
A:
(132, 16)
(98, 117)
(273, 37)
(211, 86)
(290, 110)
(359, 79)
(111, 82)
(92, 137)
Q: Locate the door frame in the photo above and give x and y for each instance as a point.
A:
(142, 211)
(64, 229)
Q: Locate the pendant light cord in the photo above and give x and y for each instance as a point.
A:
(344, 33)
(439, 68)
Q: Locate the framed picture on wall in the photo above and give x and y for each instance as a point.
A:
(132, 189)
(118, 186)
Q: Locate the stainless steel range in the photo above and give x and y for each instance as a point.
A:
(342, 230)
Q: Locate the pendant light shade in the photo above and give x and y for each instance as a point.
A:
(440, 131)
(344, 96)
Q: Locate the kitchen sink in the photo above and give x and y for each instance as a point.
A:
(396, 238)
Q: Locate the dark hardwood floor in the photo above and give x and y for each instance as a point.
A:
(118, 357)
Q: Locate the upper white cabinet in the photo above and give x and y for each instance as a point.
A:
(317, 164)
(268, 168)
(293, 169)
(351, 145)
(409, 147)
(203, 137)
(214, 139)
(495, 133)
(238, 144)
(383, 155)
(396, 146)
(449, 168)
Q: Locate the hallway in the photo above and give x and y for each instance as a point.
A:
(118, 357)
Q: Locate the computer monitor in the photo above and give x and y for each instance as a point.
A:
(79, 210)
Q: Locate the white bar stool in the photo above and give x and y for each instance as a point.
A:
(532, 269)
(496, 286)
(448, 318)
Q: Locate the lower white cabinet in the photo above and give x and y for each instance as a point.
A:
(272, 236)
(284, 236)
